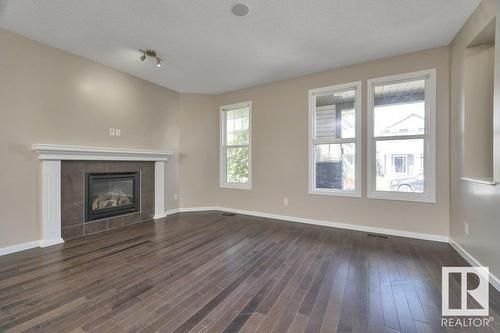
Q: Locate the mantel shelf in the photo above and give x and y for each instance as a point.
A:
(64, 152)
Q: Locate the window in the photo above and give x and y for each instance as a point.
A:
(401, 137)
(400, 163)
(335, 140)
(235, 149)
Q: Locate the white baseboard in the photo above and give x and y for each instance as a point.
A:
(50, 242)
(156, 217)
(392, 232)
(19, 247)
(198, 209)
(30, 245)
(495, 282)
(171, 211)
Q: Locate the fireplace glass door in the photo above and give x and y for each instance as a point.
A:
(111, 194)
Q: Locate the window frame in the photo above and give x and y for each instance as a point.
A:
(429, 137)
(357, 140)
(223, 183)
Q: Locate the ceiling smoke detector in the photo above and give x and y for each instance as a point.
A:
(240, 9)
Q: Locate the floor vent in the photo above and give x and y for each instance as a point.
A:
(378, 236)
(229, 214)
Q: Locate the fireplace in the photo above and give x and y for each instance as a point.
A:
(64, 188)
(111, 194)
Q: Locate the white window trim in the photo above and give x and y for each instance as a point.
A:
(429, 194)
(222, 162)
(356, 193)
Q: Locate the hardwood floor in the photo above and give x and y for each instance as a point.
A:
(208, 272)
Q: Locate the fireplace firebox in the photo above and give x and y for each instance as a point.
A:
(111, 194)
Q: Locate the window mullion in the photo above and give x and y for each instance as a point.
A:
(236, 146)
(399, 137)
(331, 141)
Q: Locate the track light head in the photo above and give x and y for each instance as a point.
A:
(151, 54)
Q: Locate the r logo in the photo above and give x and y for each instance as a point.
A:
(479, 294)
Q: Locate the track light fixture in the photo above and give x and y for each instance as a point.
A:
(151, 54)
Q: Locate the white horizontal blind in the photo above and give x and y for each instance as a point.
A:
(325, 121)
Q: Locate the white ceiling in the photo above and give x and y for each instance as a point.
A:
(208, 50)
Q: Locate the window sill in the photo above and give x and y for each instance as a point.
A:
(236, 186)
(402, 196)
(484, 181)
(349, 194)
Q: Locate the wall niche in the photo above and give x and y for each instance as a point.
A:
(479, 107)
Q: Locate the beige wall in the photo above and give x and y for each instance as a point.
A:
(280, 151)
(198, 150)
(50, 96)
(472, 203)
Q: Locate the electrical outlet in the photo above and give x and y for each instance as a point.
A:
(466, 228)
(176, 196)
(118, 131)
(285, 202)
(112, 132)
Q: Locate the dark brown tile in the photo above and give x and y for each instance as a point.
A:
(147, 216)
(147, 182)
(131, 219)
(147, 202)
(115, 222)
(69, 199)
(68, 164)
(72, 232)
(72, 178)
(72, 214)
(95, 166)
(148, 169)
(119, 166)
(93, 227)
(126, 166)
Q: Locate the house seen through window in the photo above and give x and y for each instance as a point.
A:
(400, 112)
(401, 141)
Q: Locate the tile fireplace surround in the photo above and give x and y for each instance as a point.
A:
(110, 159)
(73, 174)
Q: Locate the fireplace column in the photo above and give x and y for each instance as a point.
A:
(159, 190)
(51, 203)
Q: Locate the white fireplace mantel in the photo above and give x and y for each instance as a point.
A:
(52, 155)
(61, 152)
